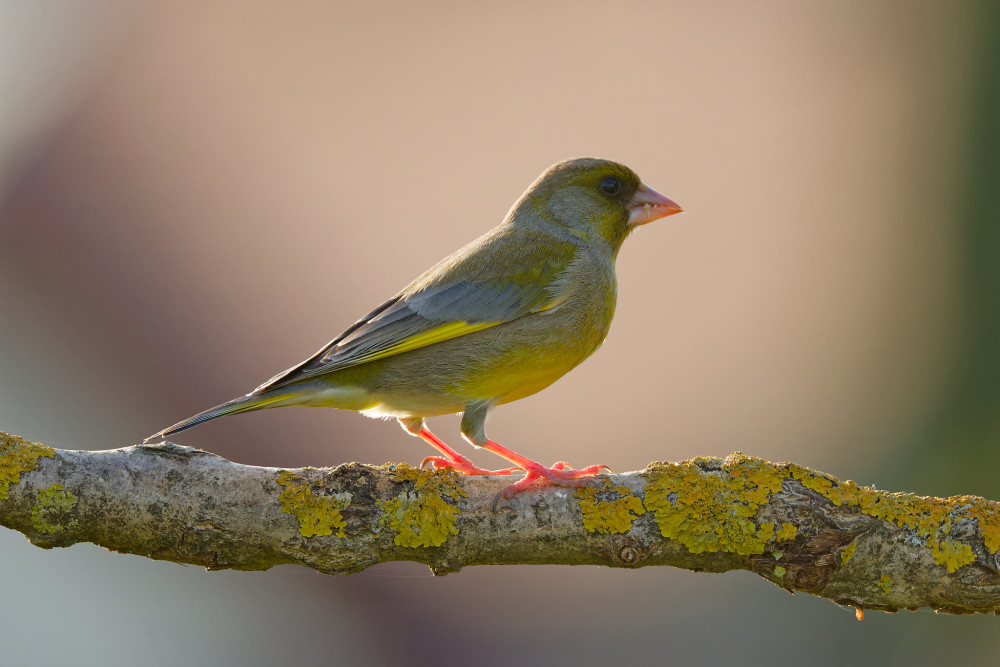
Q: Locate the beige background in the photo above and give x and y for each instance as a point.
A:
(194, 196)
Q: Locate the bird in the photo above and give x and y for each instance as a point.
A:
(496, 321)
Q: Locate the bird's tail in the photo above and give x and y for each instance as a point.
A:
(233, 407)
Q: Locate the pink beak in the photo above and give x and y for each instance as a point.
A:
(647, 205)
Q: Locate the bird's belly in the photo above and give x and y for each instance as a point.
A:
(447, 390)
(527, 357)
(519, 374)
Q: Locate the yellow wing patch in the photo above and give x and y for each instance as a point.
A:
(445, 332)
(429, 337)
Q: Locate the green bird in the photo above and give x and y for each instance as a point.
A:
(498, 320)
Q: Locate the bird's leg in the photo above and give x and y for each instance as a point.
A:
(560, 474)
(453, 459)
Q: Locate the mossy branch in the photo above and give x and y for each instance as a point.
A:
(800, 529)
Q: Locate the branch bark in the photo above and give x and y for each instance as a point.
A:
(798, 528)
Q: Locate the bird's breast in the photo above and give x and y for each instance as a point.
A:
(530, 353)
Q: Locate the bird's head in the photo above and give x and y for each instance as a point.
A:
(595, 199)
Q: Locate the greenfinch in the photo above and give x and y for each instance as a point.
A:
(498, 320)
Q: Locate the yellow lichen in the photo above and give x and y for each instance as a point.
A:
(608, 509)
(953, 555)
(48, 514)
(930, 519)
(885, 583)
(425, 516)
(826, 485)
(787, 532)
(848, 552)
(714, 510)
(17, 456)
(766, 531)
(317, 515)
(811, 480)
(987, 516)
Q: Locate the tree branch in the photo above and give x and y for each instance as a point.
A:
(798, 528)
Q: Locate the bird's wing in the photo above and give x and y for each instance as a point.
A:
(439, 306)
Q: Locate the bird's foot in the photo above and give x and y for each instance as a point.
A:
(560, 474)
(464, 466)
(453, 459)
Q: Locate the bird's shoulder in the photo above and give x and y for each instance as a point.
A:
(506, 254)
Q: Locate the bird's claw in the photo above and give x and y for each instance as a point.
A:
(563, 465)
(463, 466)
(560, 474)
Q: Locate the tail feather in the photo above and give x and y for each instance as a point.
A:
(233, 407)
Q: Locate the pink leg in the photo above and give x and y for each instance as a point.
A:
(560, 474)
(453, 459)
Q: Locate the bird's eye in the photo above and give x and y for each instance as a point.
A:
(610, 185)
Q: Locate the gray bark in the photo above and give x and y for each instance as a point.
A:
(799, 529)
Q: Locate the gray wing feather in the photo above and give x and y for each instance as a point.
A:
(494, 300)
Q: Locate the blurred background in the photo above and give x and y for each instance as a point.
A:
(197, 195)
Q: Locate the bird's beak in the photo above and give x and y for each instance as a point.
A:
(647, 205)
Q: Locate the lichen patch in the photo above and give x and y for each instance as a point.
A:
(18, 456)
(930, 519)
(50, 512)
(608, 509)
(715, 509)
(424, 515)
(318, 515)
